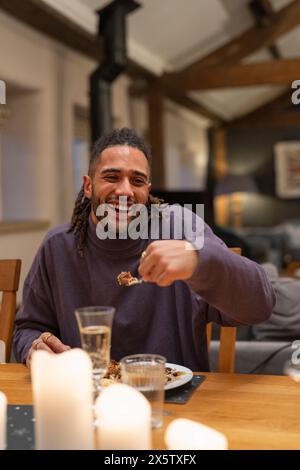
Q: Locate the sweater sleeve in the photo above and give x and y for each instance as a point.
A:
(235, 288)
(36, 314)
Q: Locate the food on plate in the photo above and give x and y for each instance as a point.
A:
(172, 374)
(113, 374)
(125, 278)
(113, 371)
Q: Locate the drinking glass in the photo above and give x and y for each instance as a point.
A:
(146, 373)
(95, 325)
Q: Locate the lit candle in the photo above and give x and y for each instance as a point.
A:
(190, 435)
(3, 417)
(62, 396)
(124, 419)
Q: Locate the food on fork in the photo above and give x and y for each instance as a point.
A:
(125, 278)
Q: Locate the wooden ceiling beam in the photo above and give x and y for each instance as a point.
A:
(279, 111)
(234, 51)
(281, 120)
(137, 91)
(265, 73)
(262, 11)
(195, 106)
(250, 41)
(53, 24)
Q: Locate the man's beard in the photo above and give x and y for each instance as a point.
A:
(95, 202)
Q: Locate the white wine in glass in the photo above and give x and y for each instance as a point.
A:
(95, 325)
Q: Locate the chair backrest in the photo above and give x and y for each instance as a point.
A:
(9, 283)
(227, 340)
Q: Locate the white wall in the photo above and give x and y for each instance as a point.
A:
(21, 159)
(21, 246)
(60, 80)
(186, 149)
(120, 102)
(56, 79)
(29, 61)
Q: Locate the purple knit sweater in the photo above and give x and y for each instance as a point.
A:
(226, 288)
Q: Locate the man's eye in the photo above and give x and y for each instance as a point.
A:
(138, 182)
(111, 178)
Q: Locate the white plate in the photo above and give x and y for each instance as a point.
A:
(182, 379)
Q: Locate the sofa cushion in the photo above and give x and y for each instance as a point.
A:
(284, 323)
(256, 357)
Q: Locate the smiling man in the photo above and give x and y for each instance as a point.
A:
(120, 181)
(187, 284)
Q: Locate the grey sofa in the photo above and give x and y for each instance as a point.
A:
(255, 357)
(267, 348)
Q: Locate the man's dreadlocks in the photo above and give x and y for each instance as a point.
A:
(82, 208)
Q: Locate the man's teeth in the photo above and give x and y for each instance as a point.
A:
(119, 208)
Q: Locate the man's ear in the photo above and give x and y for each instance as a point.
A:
(149, 187)
(87, 186)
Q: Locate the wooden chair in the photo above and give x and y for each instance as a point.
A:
(9, 284)
(227, 340)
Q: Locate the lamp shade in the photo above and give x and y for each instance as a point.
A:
(236, 184)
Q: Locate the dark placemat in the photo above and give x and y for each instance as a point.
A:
(20, 427)
(182, 394)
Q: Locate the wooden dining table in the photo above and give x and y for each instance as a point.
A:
(253, 411)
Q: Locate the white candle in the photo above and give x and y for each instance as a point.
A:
(62, 396)
(124, 419)
(189, 435)
(3, 418)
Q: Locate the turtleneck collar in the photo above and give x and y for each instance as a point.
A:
(115, 248)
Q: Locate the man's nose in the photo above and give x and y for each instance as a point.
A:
(124, 188)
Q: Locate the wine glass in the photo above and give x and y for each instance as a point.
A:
(95, 325)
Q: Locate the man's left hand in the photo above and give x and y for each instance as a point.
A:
(166, 261)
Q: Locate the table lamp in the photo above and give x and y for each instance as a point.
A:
(234, 186)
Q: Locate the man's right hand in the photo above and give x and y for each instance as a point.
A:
(46, 342)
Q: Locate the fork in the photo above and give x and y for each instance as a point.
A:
(136, 281)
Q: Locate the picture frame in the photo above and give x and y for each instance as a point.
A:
(287, 169)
